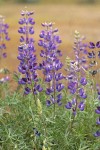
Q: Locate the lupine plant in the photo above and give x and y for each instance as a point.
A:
(97, 111)
(3, 38)
(94, 57)
(67, 114)
(76, 76)
(28, 64)
(51, 64)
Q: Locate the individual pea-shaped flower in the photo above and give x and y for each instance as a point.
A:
(27, 90)
(81, 105)
(48, 102)
(91, 54)
(83, 81)
(68, 105)
(59, 87)
(82, 93)
(97, 110)
(97, 134)
(72, 86)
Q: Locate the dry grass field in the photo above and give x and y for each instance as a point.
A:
(68, 18)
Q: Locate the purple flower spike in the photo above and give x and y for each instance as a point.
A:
(97, 134)
(51, 64)
(98, 110)
(68, 105)
(3, 37)
(76, 74)
(28, 65)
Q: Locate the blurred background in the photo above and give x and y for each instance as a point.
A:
(68, 15)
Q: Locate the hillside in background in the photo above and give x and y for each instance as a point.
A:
(54, 1)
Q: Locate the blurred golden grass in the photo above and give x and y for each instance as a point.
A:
(68, 18)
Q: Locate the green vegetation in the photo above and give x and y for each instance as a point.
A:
(19, 116)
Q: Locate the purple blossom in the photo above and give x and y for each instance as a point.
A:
(83, 81)
(97, 134)
(98, 121)
(91, 54)
(97, 110)
(49, 90)
(48, 102)
(59, 87)
(92, 45)
(59, 97)
(81, 105)
(39, 88)
(59, 76)
(27, 90)
(82, 94)
(68, 105)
